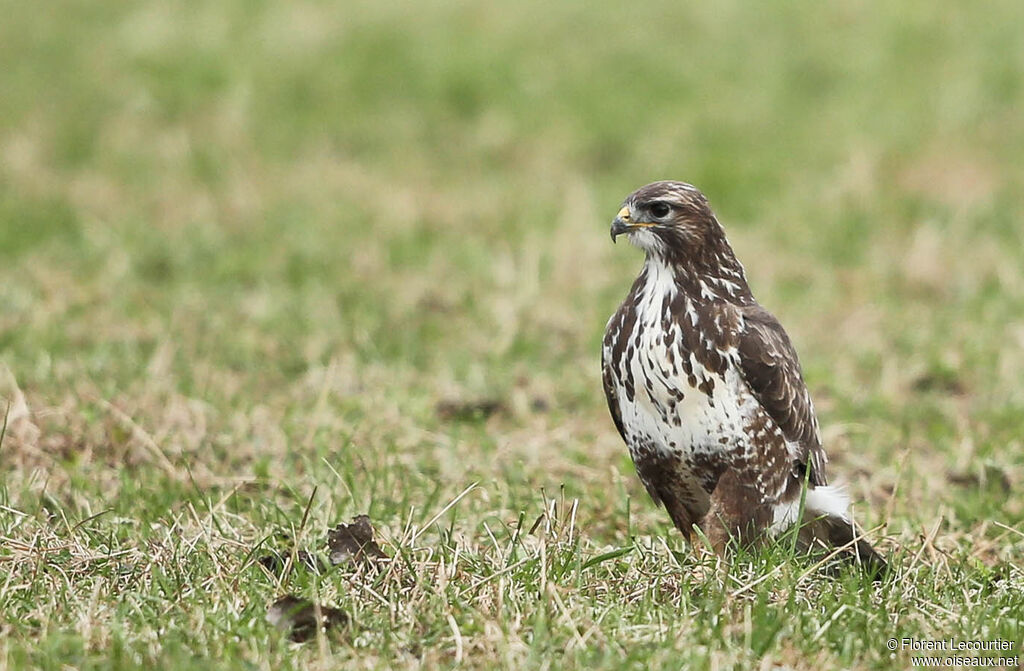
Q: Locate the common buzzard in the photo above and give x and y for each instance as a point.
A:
(706, 390)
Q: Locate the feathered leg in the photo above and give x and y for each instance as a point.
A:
(659, 474)
(737, 513)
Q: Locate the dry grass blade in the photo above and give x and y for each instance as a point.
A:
(416, 534)
(147, 441)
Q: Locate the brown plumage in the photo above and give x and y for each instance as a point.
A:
(706, 390)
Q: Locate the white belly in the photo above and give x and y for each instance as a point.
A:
(702, 429)
(696, 424)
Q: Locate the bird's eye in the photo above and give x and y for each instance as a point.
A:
(660, 210)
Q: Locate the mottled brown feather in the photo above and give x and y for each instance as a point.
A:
(771, 369)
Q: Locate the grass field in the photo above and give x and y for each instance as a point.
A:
(268, 266)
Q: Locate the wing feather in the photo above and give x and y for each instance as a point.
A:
(611, 395)
(771, 369)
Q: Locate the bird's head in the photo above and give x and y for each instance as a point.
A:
(668, 219)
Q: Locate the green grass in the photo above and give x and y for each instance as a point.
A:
(246, 249)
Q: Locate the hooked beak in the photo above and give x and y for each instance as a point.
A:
(618, 228)
(624, 224)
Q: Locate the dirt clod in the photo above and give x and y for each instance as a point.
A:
(300, 617)
(353, 543)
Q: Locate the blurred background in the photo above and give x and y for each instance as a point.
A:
(267, 265)
(255, 238)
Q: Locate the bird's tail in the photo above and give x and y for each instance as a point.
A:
(827, 523)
